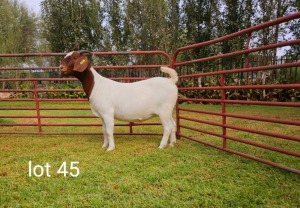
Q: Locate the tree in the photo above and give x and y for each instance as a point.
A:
(17, 35)
(70, 25)
(266, 11)
(174, 26)
(146, 26)
(294, 28)
(200, 19)
(117, 39)
(146, 23)
(199, 22)
(236, 16)
(17, 28)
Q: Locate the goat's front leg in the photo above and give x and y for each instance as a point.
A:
(105, 140)
(108, 127)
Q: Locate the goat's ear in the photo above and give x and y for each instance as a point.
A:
(81, 63)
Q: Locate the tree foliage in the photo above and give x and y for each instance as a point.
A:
(70, 25)
(294, 28)
(124, 25)
(17, 28)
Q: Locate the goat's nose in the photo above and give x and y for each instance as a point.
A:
(61, 67)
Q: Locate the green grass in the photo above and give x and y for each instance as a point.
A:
(138, 174)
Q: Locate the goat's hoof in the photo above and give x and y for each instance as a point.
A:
(162, 146)
(104, 145)
(110, 149)
(173, 141)
(172, 144)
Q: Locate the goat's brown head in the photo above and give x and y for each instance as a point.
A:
(75, 61)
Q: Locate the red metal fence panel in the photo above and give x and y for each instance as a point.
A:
(268, 140)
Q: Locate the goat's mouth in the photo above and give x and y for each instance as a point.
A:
(64, 73)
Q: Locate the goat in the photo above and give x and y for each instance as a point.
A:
(137, 101)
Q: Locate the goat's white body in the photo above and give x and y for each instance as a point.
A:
(136, 101)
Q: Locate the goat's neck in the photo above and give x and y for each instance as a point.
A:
(87, 80)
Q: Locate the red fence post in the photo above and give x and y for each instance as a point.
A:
(37, 106)
(223, 98)
(130, 127)
(172, 65)
(177, 120)
(247, 55)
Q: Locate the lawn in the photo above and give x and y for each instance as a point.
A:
(137, 173)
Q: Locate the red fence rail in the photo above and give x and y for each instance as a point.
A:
(37, 110)
(195, 124)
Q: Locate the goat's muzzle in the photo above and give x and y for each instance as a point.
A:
(62, 71)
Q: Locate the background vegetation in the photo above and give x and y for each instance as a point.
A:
(125, 25)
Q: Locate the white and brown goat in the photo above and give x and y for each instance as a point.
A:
(137, 101)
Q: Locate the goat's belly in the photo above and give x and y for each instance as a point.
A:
(133, 118)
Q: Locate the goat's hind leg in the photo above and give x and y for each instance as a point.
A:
(173, 133)
(168, 126)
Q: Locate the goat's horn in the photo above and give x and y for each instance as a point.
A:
(84, 52)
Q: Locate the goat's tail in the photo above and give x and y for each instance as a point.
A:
(172, 73)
